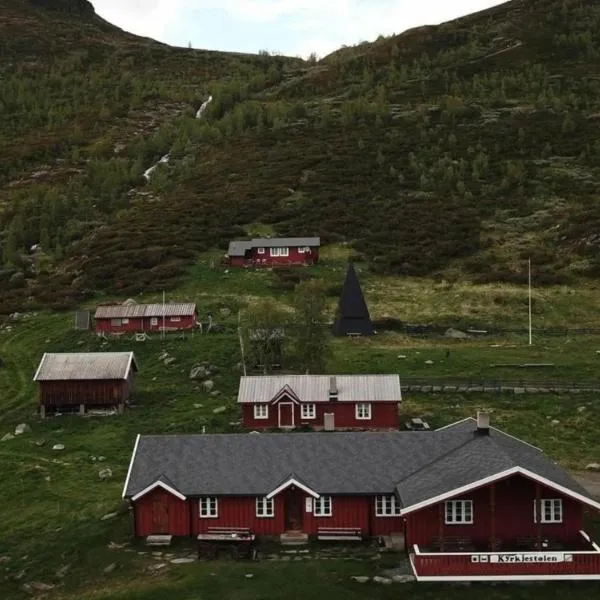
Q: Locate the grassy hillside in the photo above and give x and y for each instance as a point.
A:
(458, 151)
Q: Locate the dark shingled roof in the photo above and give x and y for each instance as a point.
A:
(417, 466)
(353, 314)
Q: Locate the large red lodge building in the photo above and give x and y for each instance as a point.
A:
(320, 401)
(270, 252)
(471, 502)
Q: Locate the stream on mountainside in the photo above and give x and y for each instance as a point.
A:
(165, 158)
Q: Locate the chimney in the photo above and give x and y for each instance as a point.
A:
(483, 422)
(333, 391)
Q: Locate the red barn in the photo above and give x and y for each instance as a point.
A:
(320, 401)
(272, 252)
(471, 502)
(69, 381)
(137, 318)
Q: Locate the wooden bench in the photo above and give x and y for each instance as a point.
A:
(339, 533)
(234, 532)
(452, 542)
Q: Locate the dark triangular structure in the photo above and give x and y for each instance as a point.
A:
(353, 315)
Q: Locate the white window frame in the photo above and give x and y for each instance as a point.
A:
(550, 506)
(284, 251)
(386, 506)
(265, 507)
(274, 251)
(209, 507)
(279, 251)
(175, 319)
(322, 506)
(261, 411)
(455, 512)
(361, 413)
(308, 411)
(153, 321)
(116, 322)
(260, 250)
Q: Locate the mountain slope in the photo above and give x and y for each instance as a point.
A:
(458, 150)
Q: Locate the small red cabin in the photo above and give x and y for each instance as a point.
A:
(137, 318)
(468, 501)
(272, 252)
(69, 380)
(320, 401)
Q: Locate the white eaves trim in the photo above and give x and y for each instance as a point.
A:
(513, 577)
(40, 366)
(496, 477)
(289, 483)
(135, 447)
(162, 485)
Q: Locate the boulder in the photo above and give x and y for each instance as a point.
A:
(428, 362)
(156, 567)
(37, 586)
(199, 372)
(593, 466)
(105, 473)
(384, 580)
(455, 334)
(58, 447)
(219, 409)
(62, 571)
(208, 385)
(182, 561)
(110, 568)
(8, 436)
(107, 516)
(215, 393)
(40, 443)
(198, 405)
(169, 360)
(249, 575)
(22, 428)
(581, 409)
(403, 578)
(360, 578)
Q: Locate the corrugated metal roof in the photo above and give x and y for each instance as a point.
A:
(240, 247)
(315, 388)
(85, 365)
(130, 311)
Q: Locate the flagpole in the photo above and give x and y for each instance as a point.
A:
(529, 280)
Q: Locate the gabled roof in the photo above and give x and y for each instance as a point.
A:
(85, 366)
(353, 314)
(240, 247)
(130, 311)
(420, 467)
(315, 388)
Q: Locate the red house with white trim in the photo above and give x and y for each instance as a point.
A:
(272, 252)
(320, 401)
(472, 502)
(138, 318)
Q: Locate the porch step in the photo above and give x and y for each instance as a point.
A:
(159, 540)
(293, 538)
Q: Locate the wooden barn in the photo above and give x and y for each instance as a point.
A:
(469, 501)
(320, 401)
(352, 316)
(78, 381)
(137, 318)
(272, 252)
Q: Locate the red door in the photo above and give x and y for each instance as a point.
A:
(286, 414)
(292, 507)
(160, 515)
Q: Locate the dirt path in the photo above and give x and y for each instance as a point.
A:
(590, 481)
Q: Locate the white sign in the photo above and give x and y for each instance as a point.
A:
(527, 557)
(309, 505)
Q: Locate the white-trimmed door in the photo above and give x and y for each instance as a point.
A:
(285, 414)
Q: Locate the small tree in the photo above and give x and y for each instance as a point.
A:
(263, 335)
(310, 334)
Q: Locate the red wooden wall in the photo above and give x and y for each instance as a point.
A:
(140, 324)
(240, 511)
(97, 392)
(266, 260)
(514, 502)
(384, 415)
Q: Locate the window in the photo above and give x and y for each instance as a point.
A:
(551, 510)
(308, 411)
(459, 512)
(175, 319)
(261, 411)
(125, 321)
(209, 507)
(363, 411)
(303, 250)
(260, 250)
(265, 507)
(386, 506)
(322, 506)
(115, 322)
(280, 251)
(154, 321)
